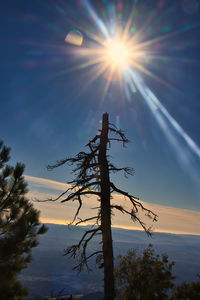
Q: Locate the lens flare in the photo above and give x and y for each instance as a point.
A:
(74, 37)
(126, 47)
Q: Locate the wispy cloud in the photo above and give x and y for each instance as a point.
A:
(47, 183)
(171, 219)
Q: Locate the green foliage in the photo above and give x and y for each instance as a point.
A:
(143, 277)
(187, 291)
(19, 227)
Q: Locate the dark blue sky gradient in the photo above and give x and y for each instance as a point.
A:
(47, 113)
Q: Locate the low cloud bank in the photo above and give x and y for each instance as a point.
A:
(170, 219)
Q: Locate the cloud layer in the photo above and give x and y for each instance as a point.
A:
(170, 219)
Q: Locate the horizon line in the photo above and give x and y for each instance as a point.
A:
(65, 223)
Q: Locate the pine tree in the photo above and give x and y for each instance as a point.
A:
(19, 227)
(92, 171)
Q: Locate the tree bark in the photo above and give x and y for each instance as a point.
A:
(109, 290)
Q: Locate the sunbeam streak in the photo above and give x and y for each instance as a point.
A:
(96, 18)
(161, 112)
(122, 53)
(170, 127)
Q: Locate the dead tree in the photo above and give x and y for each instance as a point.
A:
(92, 170)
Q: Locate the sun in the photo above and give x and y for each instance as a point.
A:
(117, 53)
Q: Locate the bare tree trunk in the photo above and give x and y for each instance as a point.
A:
(92, 178)
(109, 291)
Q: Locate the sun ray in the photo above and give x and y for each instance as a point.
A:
(149, 43)
(91, 63)
(152, 75)
(155, 104)
(171, 58)
(108, 83)
(124, 51)
(128, 25)
(100, 24)
(121, 49)
(97, 72)
(78, 66)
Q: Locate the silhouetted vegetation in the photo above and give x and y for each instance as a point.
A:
(143, 277)
(187, 291)
(92, 171)
(149, 277)
(19, 227)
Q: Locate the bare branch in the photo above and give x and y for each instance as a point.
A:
(76, 194)
(133, 217)
(122, 192)
(94, 253)
(113, 125)
(81, 182)
(75, 249)
(58, 164)
(135, 203)
(127, 170)
(87, 220)
(78, 209)
(92, 170)
(93, 140)
(115, 139)
(121, 134)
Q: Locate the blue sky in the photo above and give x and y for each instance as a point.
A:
(50, 111)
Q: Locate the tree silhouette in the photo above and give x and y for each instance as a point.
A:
(186, 291)
(92, 177)
(19, 227)
(143, 277)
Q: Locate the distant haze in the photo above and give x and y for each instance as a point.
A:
(51, 271)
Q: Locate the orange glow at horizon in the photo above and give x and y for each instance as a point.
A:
(171, 219)
(68, 222)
